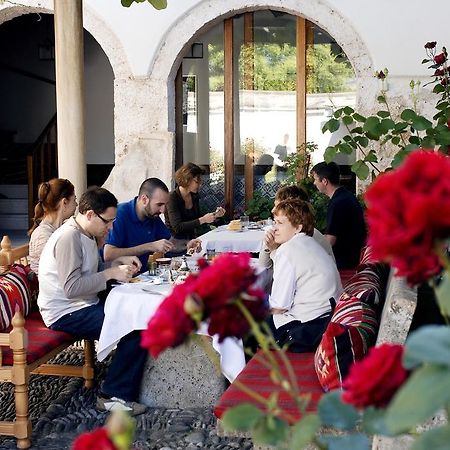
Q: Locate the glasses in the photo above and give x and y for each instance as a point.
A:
(105, 221)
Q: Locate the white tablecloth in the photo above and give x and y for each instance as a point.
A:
(223, 240)
(129, 308)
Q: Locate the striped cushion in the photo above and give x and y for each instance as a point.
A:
(41, 340)
(352, 330)
(257, 377)
(15, 294)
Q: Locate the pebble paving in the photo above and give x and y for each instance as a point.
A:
(61, 408)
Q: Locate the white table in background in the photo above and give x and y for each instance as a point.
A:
(128, 307)
(223, 240)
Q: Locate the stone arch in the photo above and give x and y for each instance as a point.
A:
(206, 14)
(101, 32)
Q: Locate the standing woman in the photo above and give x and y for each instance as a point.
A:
(306, 283)
(183, 210)
(57, 202)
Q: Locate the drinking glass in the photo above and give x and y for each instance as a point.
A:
(245, 221)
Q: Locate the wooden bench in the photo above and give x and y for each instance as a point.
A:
(26, 347)
(257, 373)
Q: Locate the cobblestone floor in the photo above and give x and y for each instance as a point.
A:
(61, 408)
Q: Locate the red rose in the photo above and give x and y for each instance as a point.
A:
(408, 212)
(430, 45)
(439, 72)
(95, 440)
(374, 380)
(440, 59)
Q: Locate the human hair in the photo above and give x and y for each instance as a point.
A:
(186, 173)
(150, 185)
(50, 194)
(291, 191)
(298, 213)
(96, 199)
(330, 171)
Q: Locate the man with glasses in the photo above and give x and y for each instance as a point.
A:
(69, 281)
(138, 229)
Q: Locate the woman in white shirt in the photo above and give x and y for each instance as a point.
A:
(57, 202)
(306, 283)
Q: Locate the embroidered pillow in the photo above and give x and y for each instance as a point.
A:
(15, 294)
(352, 330)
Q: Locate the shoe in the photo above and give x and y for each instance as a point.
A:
(114, 403)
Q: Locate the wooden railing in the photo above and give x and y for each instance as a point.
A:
(42, 162)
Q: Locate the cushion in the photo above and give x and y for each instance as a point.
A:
(352, 330)
(41, 340)
(15, 294)
(256, 375)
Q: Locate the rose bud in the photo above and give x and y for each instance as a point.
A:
(430, 45)
(440, 59)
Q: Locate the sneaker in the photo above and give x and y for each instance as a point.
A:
(114, 403)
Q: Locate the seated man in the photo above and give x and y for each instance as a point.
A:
(346, 228)
(69, 282)
(267, 254)
(138, 229)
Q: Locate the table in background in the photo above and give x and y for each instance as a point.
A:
(223, 240)
(128, 307)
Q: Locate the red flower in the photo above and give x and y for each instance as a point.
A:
(374, 380)
(95, 440)
(430, 45)
(439, 72)
(408, 212)
(440, 59)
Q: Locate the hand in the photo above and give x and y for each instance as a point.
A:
(219, 212)
(208, 218)
(163, 246)
(124, 272)
(132, 261)
(269, 240)
(194, 246)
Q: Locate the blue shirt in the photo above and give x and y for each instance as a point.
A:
(129, 231)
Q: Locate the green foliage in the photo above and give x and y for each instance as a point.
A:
(297, 163)
(303, 432)
(242, 417)
(333, 412)
(259, 207)
(157, 4)
(406, 132)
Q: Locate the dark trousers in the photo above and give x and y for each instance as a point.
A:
(124, 374)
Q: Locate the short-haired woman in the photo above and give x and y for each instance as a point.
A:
(57, 202)
(306, 282)
(183, 210)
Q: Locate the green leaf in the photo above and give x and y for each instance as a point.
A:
(333, 125)
(363, 141)
(438, 89)
(361, 169)
(345, 148)
(400, 126)
(443, 295)
(347, 120)
(436, 439)
(338, 113)
(415, 140)
(371, 124)
(359, 117)
(348, 110)
(333, 412)
(399, 157)
(383, 114)
(242, 417)
(329, 154)
(408, 114)
(158, 4)
(371, 157)
(270, 431)
(395, 140)
(426, 391)
(374, 421)
(381, 99)
(386, 125)
(428, 344)
(428, 142)
(350, 441)
(420, 123)
(303, 432)
(127, 3)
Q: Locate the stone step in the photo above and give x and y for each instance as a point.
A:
(13, 206)
(13, 191)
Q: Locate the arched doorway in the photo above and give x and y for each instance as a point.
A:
(249, 91)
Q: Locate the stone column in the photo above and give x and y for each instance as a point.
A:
(69, 61)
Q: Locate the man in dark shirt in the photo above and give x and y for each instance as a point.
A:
(346, 228)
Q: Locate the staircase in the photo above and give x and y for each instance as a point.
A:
(13, 212)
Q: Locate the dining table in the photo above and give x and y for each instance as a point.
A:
(130, 307)
(222, 239)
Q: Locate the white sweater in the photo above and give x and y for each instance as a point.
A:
(68, 277)
(305, 278)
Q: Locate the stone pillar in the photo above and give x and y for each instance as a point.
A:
(69, 61)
